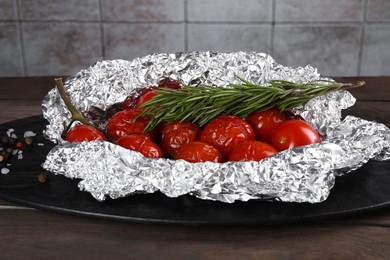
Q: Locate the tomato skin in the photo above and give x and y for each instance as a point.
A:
(168, 83)
(145, 97)
(265, 122)
(198, 152)
(132, 100)
(225, 132)
(251, 151)
(140, 143)
(176, 134)
(124, 123)
(293, 133)
(81, 133)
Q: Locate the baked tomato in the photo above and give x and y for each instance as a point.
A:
(265, 122)
(140, 143)
(251, 151)
(127, 122)
(293, 133)
(81, 133)
(168, 83)
(225, 132)
(145, 97)
(176, 134)
(198, 152)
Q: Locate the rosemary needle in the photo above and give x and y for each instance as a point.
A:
(200, 104)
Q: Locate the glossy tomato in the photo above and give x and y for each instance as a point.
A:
(251, 151)
(225, 132)
(140, 143)
(265, 122)
(168, 83)
(127, 122)
(132, 100)
(81, 133)
(198, 152)
(145, 97)
(176, 134)
(293, 133)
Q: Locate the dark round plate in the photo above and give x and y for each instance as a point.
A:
(360, 191)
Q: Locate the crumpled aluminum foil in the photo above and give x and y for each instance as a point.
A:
(302, 174)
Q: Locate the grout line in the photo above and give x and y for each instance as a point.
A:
(273, 28)
(103, 47)
(21, 38)
(185, 26)
(361, 44)
(208, 22)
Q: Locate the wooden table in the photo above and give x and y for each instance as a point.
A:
(26, 233)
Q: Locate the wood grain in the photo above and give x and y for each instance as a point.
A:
(46, 234)
(34, 234)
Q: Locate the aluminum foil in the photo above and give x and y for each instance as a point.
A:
(302, 174)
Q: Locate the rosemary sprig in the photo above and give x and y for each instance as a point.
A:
(200, 104)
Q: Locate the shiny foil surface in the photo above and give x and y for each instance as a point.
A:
(302, 174)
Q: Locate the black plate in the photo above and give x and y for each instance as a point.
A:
(360, 191)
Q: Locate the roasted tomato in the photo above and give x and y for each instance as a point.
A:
(140, 143)
(293, 133)
(225, 132)
(251, 151)
(125, 122)
(145, 97)
(198, 152)
(265, 122)
(168, 83)
(80, 133)
(132, 100)
(176, 134)
(135, 100)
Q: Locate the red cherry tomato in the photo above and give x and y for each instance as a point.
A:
(251, 151)
(176, 134)
(198, 152)
(145, 97)
(225, 132)
(293, 133)
(131, 100)
(125, 122)
(168, 83)
(140, 143)
(265, 122)
(81, 133)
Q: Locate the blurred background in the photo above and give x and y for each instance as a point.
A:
(58, 37)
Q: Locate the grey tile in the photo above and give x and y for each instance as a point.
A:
(229, 10)
(229, 37)
(59, 10)
(378, 11)
(333, 49)
(318, 10)
(376, 50)
(53, 48)
(10, 56)
(144, 11)
(7, 11)
(124, 41)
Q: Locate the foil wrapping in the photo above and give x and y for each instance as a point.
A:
(302, 174)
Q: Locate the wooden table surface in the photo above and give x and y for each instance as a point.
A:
(27, 233)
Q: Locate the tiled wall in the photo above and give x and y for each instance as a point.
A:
(60, 37)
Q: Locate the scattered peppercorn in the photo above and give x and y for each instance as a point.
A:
(28, 140)
(19, 145)
(43, 177)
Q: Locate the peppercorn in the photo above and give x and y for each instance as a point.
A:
(28, 140)
(43, 178)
